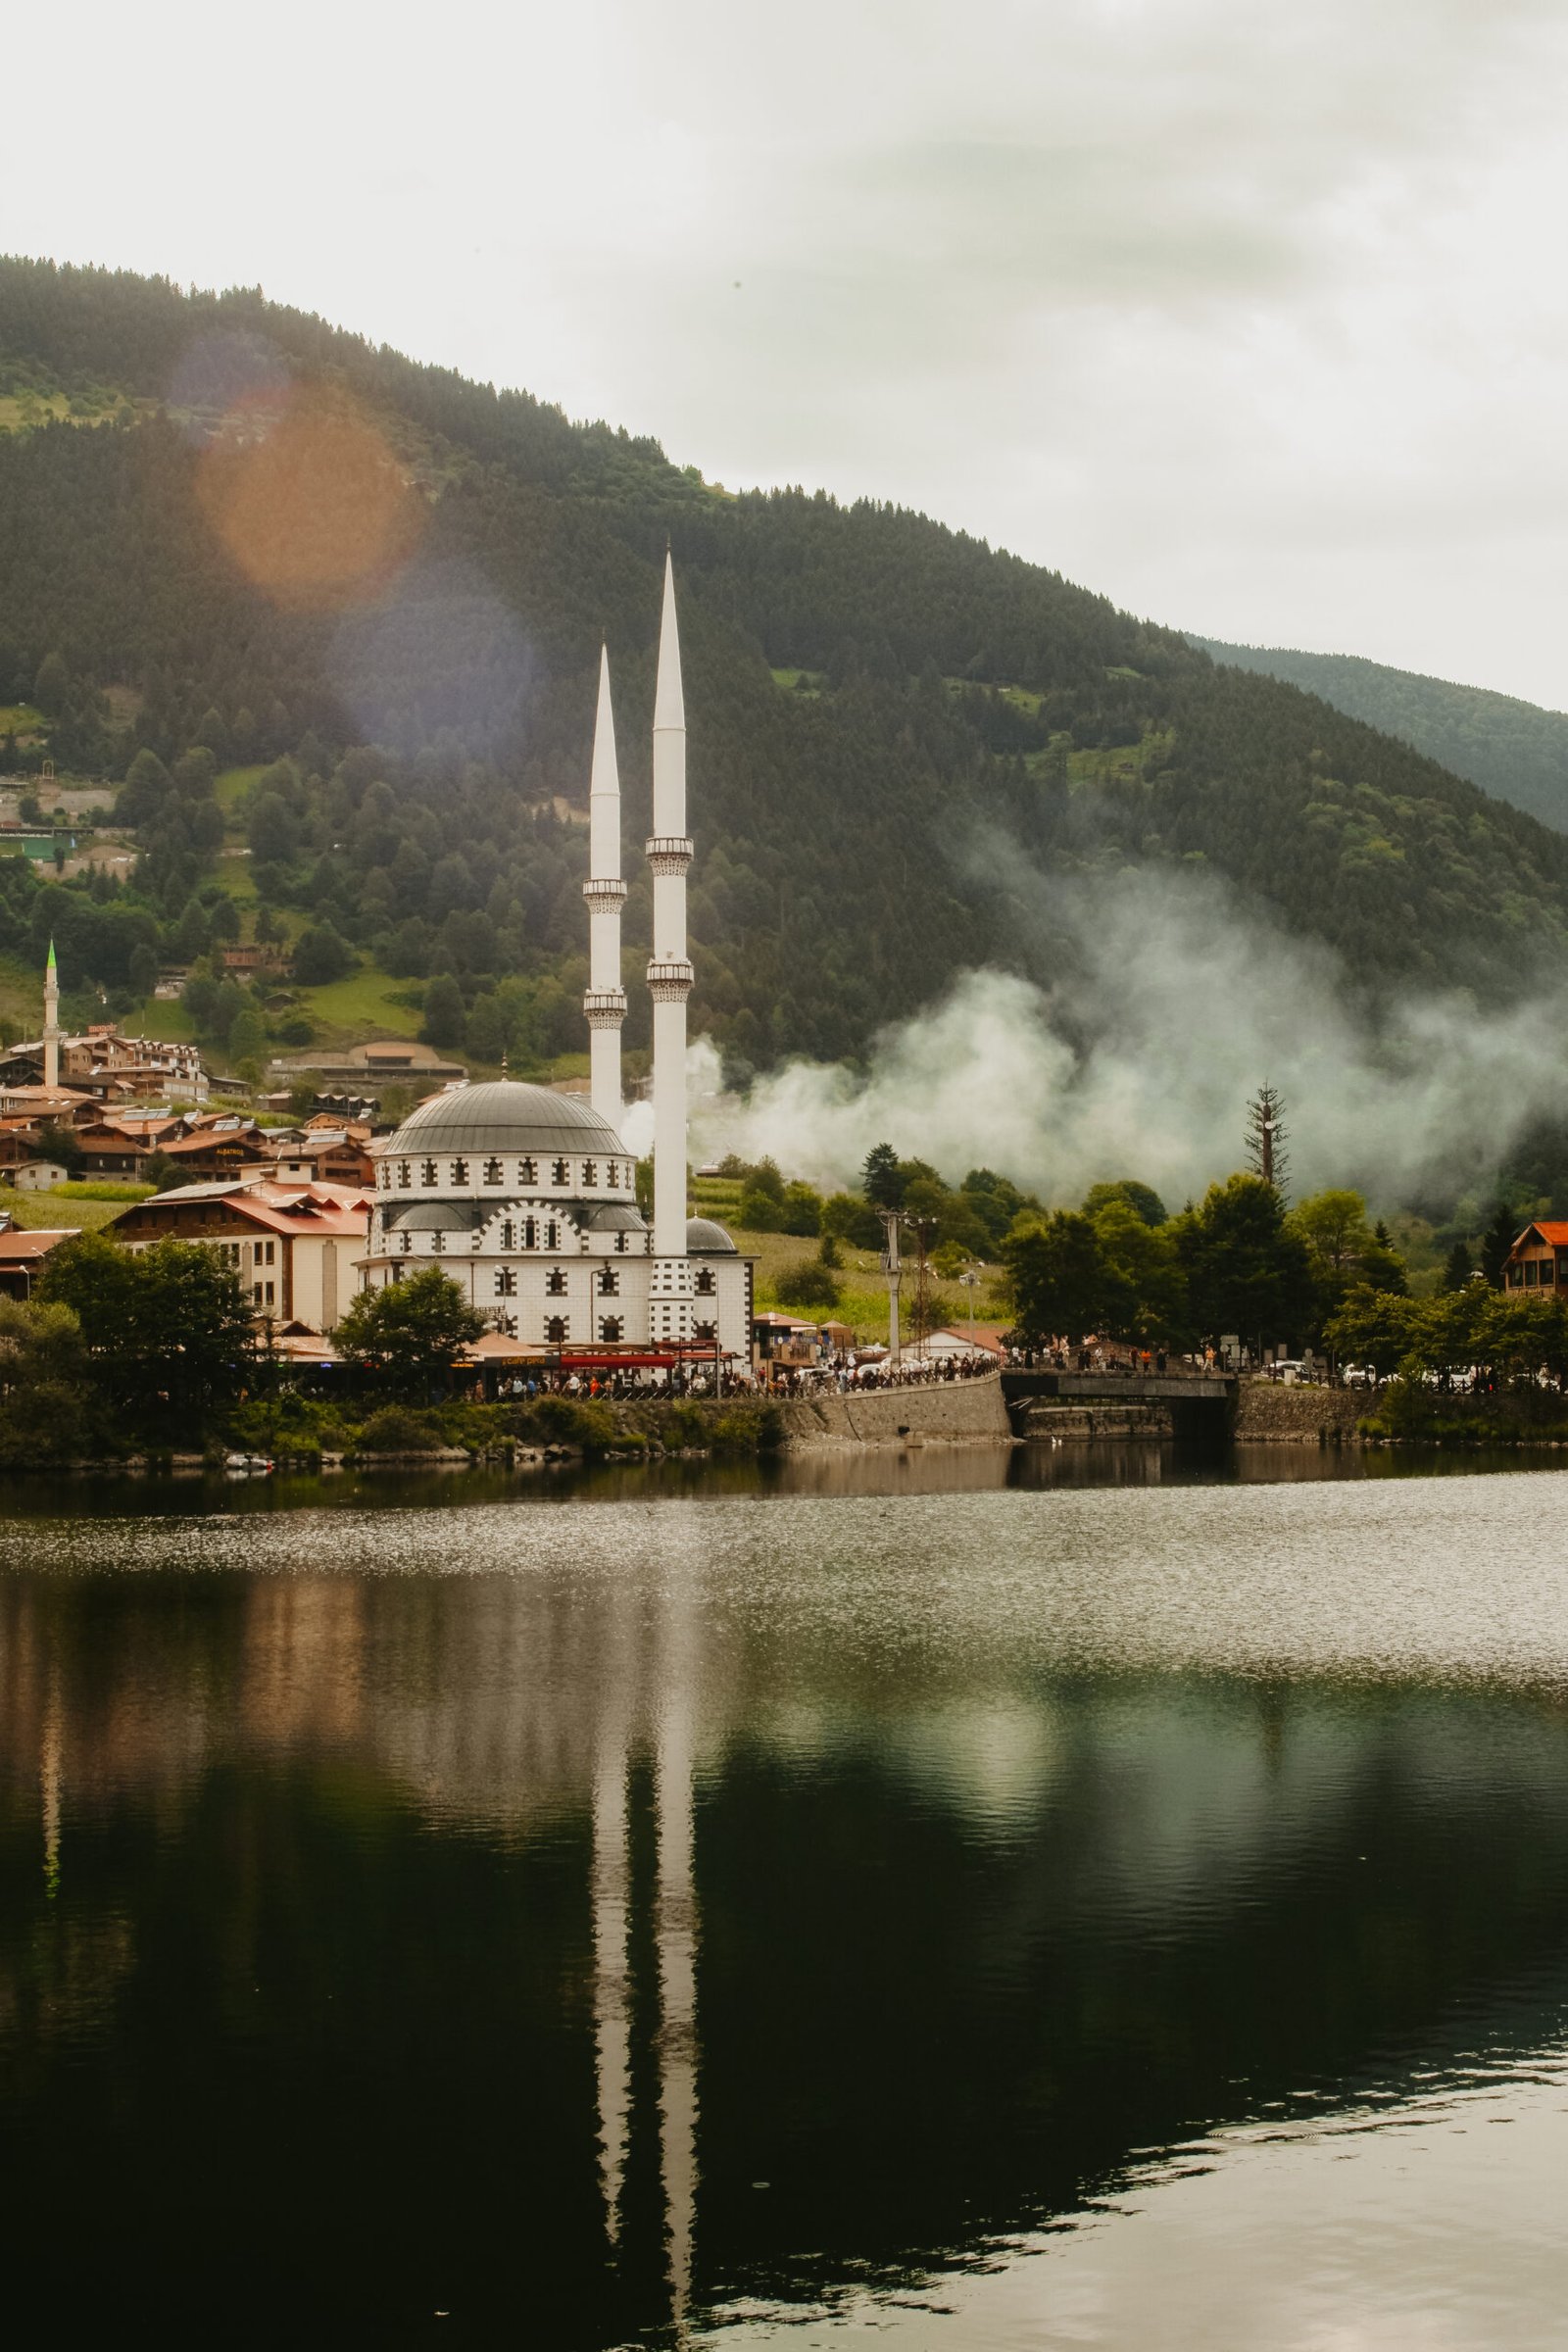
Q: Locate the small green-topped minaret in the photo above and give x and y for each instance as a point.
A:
(51, 1022)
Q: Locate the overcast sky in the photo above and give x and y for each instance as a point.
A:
(1251, 316)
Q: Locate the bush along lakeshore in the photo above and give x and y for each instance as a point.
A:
(125, 1355)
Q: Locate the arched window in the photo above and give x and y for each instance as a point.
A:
(530, 1233)
(552, 1235)
(704, 1331)
(459, 1171)
(438, 1242)
(428, 1174)
(704, 1284)
(612, 1173)
(405, 1174)
(556, 1329)
(620, 1244)
(492, 1172)
(590, 1171)
(527, 1171)
(610, 1326)
(506, 1283)
(558, 1171)
(555, 1282)
(610, 1282)
(408, 1244)
(383, 1175)
(507, 1242)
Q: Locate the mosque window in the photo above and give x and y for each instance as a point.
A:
(610, 1326)
(428, 1174)
(556, 1329)
(506, 1283)
(530, 1233)
(620, 1244)
(492, 1172)
(704, 1285)
(612, 1173)
(610, 1282)
(552, 1235)
(527, 1171)
(704, 1331)
(558, 1171)
(405, 1174)
(590, 1171)
(438, 1242)
(459, 1171)
(555, 1282)
(383, 1175)
(506, 1240)
(408, 1244)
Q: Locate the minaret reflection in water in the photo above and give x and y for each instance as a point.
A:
(624, 1716)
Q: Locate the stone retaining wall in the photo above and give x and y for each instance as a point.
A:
(1268, 1413)
(946, 1412)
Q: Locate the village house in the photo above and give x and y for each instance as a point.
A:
(385, 1061)
(1538, 1259)
(295, 1247)
(22, 1258)
(101, 1061)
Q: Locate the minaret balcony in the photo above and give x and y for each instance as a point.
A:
(670, 853)
(606, 894)
(669, 981)
(606, 1008)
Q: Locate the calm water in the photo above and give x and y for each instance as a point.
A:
(1051, 1900)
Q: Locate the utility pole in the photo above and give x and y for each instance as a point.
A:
(970, 1279)
(892, 1269)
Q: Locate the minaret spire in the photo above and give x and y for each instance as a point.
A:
(669, 981)
(606, 893)
(51, 1022)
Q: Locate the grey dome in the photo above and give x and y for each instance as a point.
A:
(507, 1116)
(706, 1239)
(439, 1216)
(612, 1218)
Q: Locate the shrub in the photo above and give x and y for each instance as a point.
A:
(394, 1429)
(809, 1285)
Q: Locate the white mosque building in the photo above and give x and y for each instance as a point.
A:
(527, 1197)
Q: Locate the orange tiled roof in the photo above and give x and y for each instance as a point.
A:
(1551, 1231)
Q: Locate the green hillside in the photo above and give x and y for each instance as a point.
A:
(334, 618)
(1514, 749)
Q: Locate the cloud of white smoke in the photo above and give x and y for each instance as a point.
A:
(1177, 1001)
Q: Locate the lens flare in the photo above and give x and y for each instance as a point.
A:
(310, 500)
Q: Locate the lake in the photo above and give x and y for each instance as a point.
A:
(1065, 1897)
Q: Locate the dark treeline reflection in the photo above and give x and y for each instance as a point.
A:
(379, 1947)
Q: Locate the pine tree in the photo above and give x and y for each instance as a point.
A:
(1266, 1138)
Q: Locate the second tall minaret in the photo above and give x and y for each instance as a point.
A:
(669, 982)
(606, 893)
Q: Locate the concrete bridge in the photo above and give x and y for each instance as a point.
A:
(1196, 1406)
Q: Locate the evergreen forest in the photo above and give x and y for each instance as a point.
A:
(1512, 749)
(329, 619)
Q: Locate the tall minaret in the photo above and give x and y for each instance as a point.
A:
(606, 893)
(669, 981)
(51, 1022)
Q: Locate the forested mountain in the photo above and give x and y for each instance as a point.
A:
(1514, 749)
(232, 535)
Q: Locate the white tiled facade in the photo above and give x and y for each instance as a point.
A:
(527, 1201)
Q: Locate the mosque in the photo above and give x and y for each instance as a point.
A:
(526, 1197)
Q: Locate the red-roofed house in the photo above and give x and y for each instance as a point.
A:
(295, 1247)
(22, 1257)
(1538, 1259)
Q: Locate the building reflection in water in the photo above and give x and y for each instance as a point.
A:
(522, 1921)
